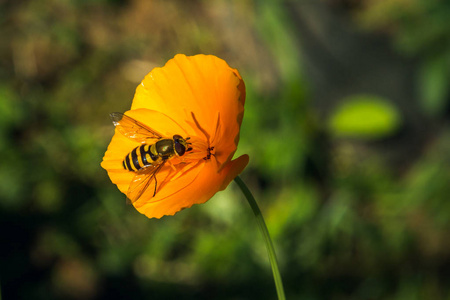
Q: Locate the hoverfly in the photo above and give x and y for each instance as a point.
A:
(147, 159)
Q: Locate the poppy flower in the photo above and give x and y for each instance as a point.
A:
(201, 99)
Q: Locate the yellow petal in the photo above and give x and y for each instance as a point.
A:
(201, 90)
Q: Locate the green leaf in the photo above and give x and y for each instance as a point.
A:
(364, 116)
(434, 86)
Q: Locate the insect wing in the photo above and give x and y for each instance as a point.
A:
(143, 179)
(133, 129)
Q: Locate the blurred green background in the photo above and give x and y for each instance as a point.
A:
(346, 125)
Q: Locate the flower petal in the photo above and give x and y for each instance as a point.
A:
(199, 185)
(158, 121)
(198, 91)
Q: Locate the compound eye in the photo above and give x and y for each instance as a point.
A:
(179, 148)
(176, 137)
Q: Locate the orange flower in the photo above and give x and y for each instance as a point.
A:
(200, 98)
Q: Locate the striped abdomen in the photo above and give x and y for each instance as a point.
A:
(146, 155)
(141, 156)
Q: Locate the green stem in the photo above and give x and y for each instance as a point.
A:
(262, 226)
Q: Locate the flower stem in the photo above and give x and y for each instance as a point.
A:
(262, 226)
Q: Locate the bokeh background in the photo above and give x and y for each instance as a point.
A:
(346, 125)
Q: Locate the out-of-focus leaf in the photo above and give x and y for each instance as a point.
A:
(11, 110)
(434, 86)
(364, 116)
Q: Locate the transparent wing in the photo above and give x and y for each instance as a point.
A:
(133, 129)
(143, 179)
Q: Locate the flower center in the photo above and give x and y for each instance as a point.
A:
(208, 155)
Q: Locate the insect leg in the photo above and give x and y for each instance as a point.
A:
(154, 176)
(156, 184)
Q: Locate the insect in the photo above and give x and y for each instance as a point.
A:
(147, 159)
